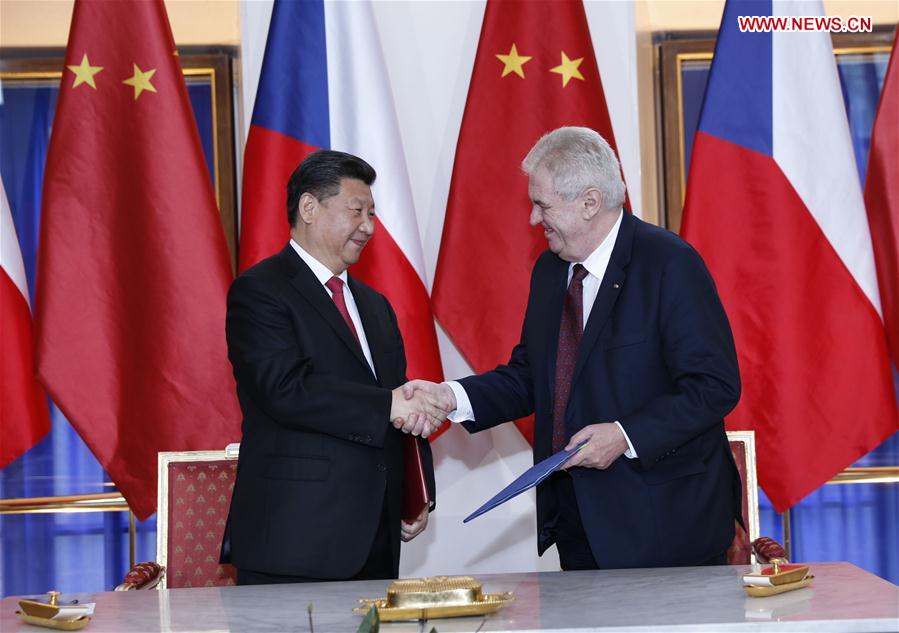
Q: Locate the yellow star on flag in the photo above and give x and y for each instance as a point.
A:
(513, 62)
(141, 81)
(84, 73)
(568, 69)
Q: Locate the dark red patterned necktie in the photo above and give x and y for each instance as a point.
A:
(335, 285)
(571, 330)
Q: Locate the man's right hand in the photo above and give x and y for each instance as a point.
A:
(417, 411)
(439, 393)
(434, 394)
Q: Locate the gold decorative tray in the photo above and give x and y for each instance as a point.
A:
(764, 592)
(436, 597)
(779, 578)
(47, 614)
(62, 625)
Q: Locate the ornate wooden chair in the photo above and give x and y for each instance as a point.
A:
(742, 444)
(194, 496)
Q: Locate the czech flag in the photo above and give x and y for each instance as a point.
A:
(775, 207)
(24, 416)
(324, 85)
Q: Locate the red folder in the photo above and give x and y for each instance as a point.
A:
(415, 487)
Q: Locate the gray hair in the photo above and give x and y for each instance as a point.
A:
(578, 158)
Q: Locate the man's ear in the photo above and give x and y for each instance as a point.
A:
(308, 206)
(591, 200)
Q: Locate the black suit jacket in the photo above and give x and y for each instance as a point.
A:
(657, 355)
(318, 456)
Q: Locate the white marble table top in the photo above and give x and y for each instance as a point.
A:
(841, 598)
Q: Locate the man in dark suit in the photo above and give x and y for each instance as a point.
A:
(625, 344)
(319, 359)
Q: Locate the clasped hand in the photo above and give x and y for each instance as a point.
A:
(419, 407)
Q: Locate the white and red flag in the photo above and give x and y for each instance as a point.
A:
(882, 200)
(24, 416)
(324, 85)
(774, 205)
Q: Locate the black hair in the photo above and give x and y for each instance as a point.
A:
(320, 173)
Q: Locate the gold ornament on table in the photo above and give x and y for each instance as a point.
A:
(53, 615)
(779, 578)
(435, 597)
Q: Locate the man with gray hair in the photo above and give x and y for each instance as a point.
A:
(626, 345)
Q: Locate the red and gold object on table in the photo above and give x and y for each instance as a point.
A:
(780, 577)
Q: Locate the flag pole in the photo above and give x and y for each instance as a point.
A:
(132, 540)
(788, 538)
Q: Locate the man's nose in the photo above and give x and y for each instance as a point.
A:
(536, 216)
(368, 225)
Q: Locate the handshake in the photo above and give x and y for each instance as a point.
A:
(419, 407)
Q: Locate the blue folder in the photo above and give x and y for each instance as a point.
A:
(530, 478)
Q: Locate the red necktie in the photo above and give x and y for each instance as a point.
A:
(335, 285)
(571, 330)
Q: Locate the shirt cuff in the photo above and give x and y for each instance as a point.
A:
(630, 453)
(463, 410)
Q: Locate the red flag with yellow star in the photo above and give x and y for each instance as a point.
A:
(132, 265)
(535, 71)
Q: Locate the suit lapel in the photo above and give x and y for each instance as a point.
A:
(307, 284)
(609, 290)
(373, 327)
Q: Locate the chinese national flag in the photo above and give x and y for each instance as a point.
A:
(133, 266)
(535, 71)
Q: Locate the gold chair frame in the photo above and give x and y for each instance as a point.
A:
(751, 485)
(231, 452)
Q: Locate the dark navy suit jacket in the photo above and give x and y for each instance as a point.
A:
(658, 356)
(318, 456)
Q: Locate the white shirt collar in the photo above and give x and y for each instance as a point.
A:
(597, 261)
(322, 272)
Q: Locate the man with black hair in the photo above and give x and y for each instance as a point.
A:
(319, 362)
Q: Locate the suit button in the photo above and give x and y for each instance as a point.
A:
(382, 468)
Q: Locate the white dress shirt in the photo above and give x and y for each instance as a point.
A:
(596, 264)
(323, 274)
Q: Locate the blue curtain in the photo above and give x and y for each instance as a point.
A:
(845, 522)
(77, 551)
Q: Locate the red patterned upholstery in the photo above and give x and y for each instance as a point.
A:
(198, 498)
(740, 551)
